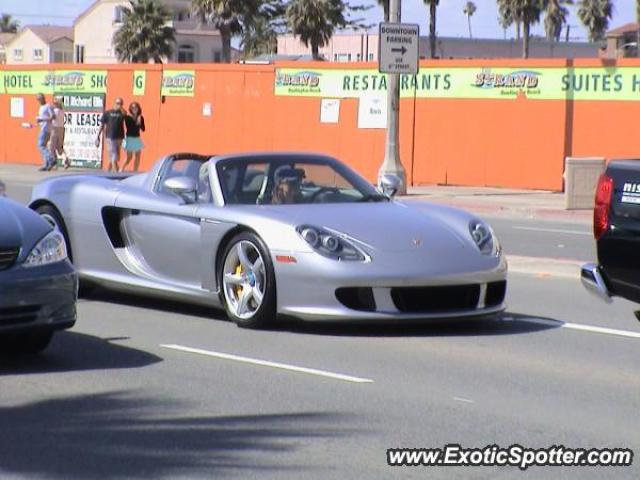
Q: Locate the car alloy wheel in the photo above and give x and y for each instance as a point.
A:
(247, 282)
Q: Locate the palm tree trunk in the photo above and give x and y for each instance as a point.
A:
(469, 23)
(432, 29)
(525, 40)
(225, 36)
(315, 51)
(518, 25)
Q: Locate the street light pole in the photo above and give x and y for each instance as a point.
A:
(391, 163)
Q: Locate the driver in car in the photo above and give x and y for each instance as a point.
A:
(287, 186)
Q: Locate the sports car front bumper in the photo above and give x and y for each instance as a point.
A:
(400, 287)
(38, 298)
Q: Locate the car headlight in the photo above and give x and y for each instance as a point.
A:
(331, 244)
(484, 238)
(50, 249)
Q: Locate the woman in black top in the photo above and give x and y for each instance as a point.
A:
(134, 122)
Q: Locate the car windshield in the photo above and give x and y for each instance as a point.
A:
(289, 181)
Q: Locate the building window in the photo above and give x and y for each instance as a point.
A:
(348, 57)
(217, 56)
(335, 57)
(79, 53)
(17, 53)
(371, 57)
(186, 54)
(118, 14)
(37, 54)
(61, 56)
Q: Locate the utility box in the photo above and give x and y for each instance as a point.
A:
(580, 181)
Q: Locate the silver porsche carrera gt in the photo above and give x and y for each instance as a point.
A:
(268, 234)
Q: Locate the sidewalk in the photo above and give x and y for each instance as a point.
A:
(503, 202)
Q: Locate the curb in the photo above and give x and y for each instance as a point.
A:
(545, 267)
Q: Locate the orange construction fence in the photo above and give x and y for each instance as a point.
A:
(504, 123)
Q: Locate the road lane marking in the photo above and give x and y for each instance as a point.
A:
(578, 326)
(267, 363)
(464, 400)
(553, 230)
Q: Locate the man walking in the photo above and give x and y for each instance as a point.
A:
(44, 119)
(112, 122)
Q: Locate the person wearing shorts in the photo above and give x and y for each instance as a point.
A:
(132, 143)
(56, 142)
(112, 123)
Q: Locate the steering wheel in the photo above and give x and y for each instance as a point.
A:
(321, 191)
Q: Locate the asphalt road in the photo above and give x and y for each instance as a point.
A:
(108, 400)
(124, 394)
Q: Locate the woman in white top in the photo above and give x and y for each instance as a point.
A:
(56, 143)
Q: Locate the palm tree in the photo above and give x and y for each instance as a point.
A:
(229, 17)
(8, 24)
(469, 10)
(144, 34)
(555, 18)
(314, 21)
(433, 5)
(385, 8)
(506, 16)
(259, 38)
(525, 12)
(595, 16)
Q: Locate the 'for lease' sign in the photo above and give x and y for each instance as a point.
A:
(398, 48)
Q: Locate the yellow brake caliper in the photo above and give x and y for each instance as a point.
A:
(238, 287)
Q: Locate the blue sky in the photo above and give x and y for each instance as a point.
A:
(451, 21)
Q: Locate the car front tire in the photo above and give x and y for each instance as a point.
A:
(247, 282)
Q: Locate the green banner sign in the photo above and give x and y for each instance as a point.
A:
(15, 82)
(139, 82)
(547, 83)
(178, 83)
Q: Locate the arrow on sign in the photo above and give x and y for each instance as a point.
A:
(402, 50)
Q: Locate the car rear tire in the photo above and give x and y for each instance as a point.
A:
(27, 343)
(53, 218)
(247, 282)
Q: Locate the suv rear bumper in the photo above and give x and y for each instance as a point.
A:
(593, 280)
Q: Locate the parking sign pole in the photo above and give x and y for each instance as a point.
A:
(391, 163)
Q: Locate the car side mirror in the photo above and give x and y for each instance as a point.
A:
(185, 187)
(390, 184)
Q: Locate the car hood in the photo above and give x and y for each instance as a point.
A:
(386, 226)
(20, 226)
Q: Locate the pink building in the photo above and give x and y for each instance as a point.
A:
(363, 46)
(343, 47)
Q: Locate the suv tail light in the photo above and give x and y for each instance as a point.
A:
(604, 193)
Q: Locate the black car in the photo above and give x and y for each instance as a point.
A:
(38, 284)
(616, 228)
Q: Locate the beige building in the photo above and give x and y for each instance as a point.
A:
(4, 39)
(95, 27)
(622, 41)
(36, 44)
